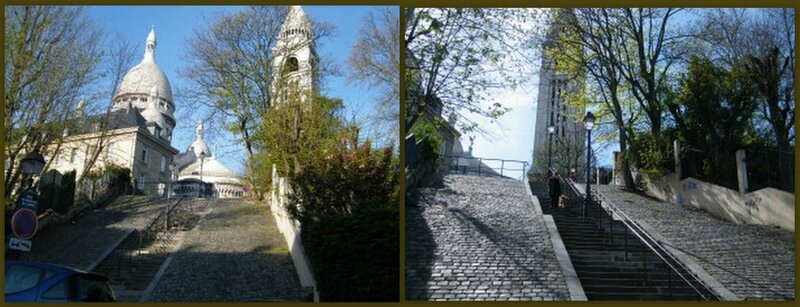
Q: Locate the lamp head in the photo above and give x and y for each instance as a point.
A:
(588, 121)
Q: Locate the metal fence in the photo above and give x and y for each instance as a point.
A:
(770, 168)
(486, 166)
(719, 169)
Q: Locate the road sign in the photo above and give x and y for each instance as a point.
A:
(24, 223)
(29, 199)
(19, 244)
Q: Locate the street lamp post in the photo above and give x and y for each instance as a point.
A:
(588, 123)
(202, 184)
(171, 177)
(550, 130)
(32, 163)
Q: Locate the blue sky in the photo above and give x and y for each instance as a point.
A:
(175, 26)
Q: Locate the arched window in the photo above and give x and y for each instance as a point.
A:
(292, 64)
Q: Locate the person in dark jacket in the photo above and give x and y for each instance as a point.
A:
(555, 189)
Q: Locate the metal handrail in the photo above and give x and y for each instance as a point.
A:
(480, 160)
(645, 238)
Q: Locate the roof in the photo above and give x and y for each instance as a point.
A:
(117, 119)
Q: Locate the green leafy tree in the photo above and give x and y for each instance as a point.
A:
(586, 48)
(344, 193)
(454, 57)
(231, 71)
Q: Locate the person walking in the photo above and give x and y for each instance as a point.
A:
(555, 189)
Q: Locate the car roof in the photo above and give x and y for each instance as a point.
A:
(51, 266)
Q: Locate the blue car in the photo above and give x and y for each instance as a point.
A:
(27, 281)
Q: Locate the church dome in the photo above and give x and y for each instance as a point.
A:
(211, 168)
(146, 75)
(199, 145)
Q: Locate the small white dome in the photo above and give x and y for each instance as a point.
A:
(211, 168)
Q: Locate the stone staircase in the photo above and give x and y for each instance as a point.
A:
(611, 263)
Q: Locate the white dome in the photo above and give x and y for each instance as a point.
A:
(145, 76)
(211, 168)
(142, 78)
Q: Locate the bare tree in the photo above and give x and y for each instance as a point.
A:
(375, 59)
(647, 57)
(455, 56)
(51, 57)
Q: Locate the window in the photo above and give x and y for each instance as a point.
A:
(109, 151)
(144, 153)
(292, 64)
(59, 291)
(140, 184)
(73, 155)
(163, 164)
(158, 132)
(22, 277)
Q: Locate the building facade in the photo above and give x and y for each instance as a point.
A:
(568, 137)
(135, 134)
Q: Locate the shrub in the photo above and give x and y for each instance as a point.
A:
(355, 257)
(430, 142)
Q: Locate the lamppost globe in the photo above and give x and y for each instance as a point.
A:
(550, 130)
(32, 163)
(588, 121)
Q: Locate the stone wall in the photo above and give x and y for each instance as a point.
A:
(766, 206)
(290, 229)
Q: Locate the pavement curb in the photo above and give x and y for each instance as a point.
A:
(537, 207)
(574, 286)
(161, 270)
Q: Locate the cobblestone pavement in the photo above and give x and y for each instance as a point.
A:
(477, 238)
(235, 253)
(81, 243)
(755, 262)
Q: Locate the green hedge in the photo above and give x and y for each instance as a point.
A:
(356, 257)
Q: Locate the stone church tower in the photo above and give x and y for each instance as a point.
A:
(568, 137)
(295, 61)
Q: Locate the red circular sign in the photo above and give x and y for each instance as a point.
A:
(24, 223)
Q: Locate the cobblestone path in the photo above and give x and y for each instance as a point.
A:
(755, 262)
(80, 244)
(234, 254)
(477, 238)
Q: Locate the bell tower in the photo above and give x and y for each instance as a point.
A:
(295, 60)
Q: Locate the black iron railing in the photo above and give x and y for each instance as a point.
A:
(770, 168)
(673, 265)
(719, 169)
(477, 166)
